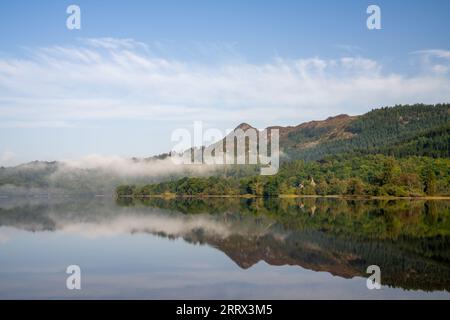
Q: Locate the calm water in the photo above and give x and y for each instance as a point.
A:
(224, 248)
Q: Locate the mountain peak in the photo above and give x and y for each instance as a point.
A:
(244, 126)
(339, 116)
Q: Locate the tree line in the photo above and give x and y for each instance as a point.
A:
(369, 175)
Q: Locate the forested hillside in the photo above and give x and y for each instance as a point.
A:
(372, 175)
(398, 131)
(393, 151)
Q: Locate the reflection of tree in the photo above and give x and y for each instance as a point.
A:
(374, 219)
(409, 240)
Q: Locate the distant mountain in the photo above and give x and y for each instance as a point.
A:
(403, 130)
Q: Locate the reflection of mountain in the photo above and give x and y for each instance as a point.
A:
(319, 252)
(408, 240)
(303, 252)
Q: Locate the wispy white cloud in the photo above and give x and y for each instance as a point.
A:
(107, 78)
(436, 61)
(435, 52)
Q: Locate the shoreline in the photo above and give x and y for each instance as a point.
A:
(287, 196)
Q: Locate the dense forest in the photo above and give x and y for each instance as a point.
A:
(374, 175)
(404, 130)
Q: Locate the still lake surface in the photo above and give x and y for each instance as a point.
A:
(224, 248)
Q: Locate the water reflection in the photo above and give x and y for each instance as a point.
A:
(408, 239)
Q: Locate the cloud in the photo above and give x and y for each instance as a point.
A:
(6, 156)
(436, 61)
(120, 79)
(435, 53)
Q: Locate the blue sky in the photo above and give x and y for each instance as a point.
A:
(137, 70)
